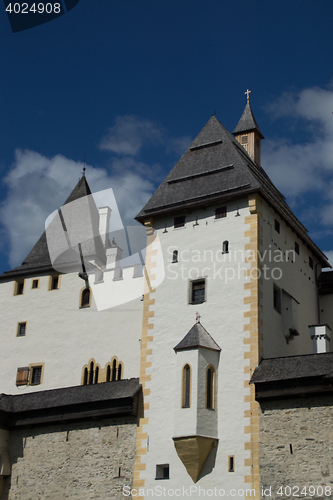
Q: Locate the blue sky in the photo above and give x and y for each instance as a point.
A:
(130, 83)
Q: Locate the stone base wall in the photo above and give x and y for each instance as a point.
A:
(296, 448)
(78, 461)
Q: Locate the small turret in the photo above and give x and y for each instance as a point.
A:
(248, 133)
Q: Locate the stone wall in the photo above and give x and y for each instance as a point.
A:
(78, 461)
(296, 448)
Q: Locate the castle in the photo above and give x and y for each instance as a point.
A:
(205, 371)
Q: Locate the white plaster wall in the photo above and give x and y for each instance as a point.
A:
(207, 418)
(297, 279)
(222, 314)
(62, 335)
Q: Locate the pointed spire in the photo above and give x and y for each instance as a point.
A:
(248, 133)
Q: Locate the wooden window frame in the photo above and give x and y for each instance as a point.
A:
(17, 287)
(193, 283)
(34, 280)
(24, 380)
(32, 367)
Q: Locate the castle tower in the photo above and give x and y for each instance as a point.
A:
(219, 220)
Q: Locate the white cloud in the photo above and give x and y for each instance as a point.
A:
(304, 168)
(37, 185)
(131, 133)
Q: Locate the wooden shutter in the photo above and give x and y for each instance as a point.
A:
(22, 376)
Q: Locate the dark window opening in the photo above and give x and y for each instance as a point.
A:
(163, 471)
(36, 375)
(21, 329)
(225, 247)
(210, 389)
(108, 374)
(85, 376)
(91, 374)
(277, 298)
(19, 287)
(277, 226)
(119, 372)
(34, 284)
(114, 370)
(231, 464)
(186, 386)
(54, 283)
(220, 212)
(179, 221)
(296, 247)
(311, 262)
(175, 256)
(198, 291)
(85, 298)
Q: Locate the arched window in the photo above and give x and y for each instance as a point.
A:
(119, 371)
(210, 388)
(96, 375)
(186, 387)
(85, 297)
(91, 373)
(108, 373)
(114, 370)
(85, 376)
(225, 247)
(175, 256)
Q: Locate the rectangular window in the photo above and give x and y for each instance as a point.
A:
(220, 212)
(35, 284)
(277, 298)
(54, 283)
(21, 329)
(311, 262)
(179, 221)
(22, 376)
(231, 465)
(277, 226)
(245, 139)
(162, 471)
(296, 247)
(198, 291)
(19, 287)
(36, 375)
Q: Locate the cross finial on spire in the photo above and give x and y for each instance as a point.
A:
(197, 317)
(84, 165)
(248, 92)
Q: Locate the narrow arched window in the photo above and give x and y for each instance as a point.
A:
(85, 298)
(114, 370)
(186, 387)
(91, 373)
(225, 247)
(96, 375)
(175, 256)
(119, 372)
(108, 373)
(85, 376)
(210, 388)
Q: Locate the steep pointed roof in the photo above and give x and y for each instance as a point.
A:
(216, 169)
(247, 122)
(197, 337)
(38, 260)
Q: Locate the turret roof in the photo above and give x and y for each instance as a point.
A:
(247, 122)
(197, 337)
(38, 260)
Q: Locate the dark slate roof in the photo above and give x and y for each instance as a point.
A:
(325, 281)
(247, 122)
(70, 403)
(38, 259)
(197, 337)
(215, 169)
(294, 367)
